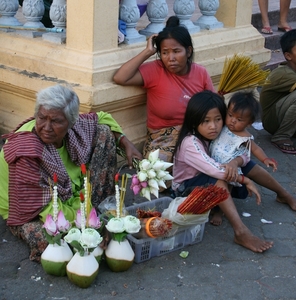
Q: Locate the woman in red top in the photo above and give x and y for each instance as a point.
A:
(170, 82)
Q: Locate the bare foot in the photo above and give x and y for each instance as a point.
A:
(289, 199)
(252, 242)
(216, 217)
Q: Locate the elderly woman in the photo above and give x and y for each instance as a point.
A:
(56, 140)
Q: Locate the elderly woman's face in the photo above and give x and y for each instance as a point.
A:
(51, 126)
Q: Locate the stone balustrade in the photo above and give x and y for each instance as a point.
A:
(130, 12)
(90, 54)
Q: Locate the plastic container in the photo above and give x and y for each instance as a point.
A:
(147, 248)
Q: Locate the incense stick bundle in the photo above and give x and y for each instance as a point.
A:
(202, 199)
(240, 72)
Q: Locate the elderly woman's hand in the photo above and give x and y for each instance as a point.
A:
(130, 150)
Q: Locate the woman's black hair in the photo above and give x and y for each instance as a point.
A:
(246, 101)
(173, 30)
(196, 111)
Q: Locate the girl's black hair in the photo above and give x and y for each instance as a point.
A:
(246, 101)
(196, 112)
(173, 30)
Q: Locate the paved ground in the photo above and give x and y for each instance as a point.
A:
(216, 268)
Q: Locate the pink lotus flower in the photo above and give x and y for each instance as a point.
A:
(136, 189)
(94, 220)
(63, 225)
(50, 226)
(78, 219)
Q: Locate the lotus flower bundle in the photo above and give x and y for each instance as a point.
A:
(202, 199)
(55, 225)
(151, 176)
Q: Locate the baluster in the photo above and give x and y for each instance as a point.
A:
(58, 13)
(8, 9)
(157, 11)
(130, 14)
(58, 16)
(184, 10)
(33, 10)
(208, 9)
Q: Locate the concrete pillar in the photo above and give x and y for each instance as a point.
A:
(235, 13)
(92, 25)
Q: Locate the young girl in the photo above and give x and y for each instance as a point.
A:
(203, 122)
(234, 139)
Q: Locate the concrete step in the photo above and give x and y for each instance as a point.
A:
(274, 17)
(272, 41)
(277, 57)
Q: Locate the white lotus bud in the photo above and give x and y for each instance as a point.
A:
(145, 192)
(90, 238)
(161, 174)
(73, 235)
(115, 225)
(142, 176)
(153, 183)
(154, 192)
(153, 156)
(151, 173)
(131, 224)
(161, 184)
(145, 164)
(158, 165)
(168, 177)
(167, 165)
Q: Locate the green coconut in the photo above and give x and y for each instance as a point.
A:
(54, 268)
(118, 265)
(82, 281)
(82, 270)
(55, 258)
(119, 255)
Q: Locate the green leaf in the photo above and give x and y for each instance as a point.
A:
(119, 237)
(184, 254)
(48, 237)
(78, 247)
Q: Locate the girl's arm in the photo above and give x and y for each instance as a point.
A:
(231, 168)
(260, 155)
(195, 156)
(128, 73)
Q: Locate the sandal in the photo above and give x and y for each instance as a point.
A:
(266, 30)
(285, 29)
(283, 147)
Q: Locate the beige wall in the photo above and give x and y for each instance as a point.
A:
(91, 56)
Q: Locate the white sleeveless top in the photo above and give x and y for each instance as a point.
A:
(228, 146)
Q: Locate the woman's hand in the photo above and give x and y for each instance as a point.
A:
(252, 189)
(151, 44)
(130, 150)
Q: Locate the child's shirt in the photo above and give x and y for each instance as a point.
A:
(228, 146)
(192, 159)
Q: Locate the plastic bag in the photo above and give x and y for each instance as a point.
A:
(108, 207)
(183, 220)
